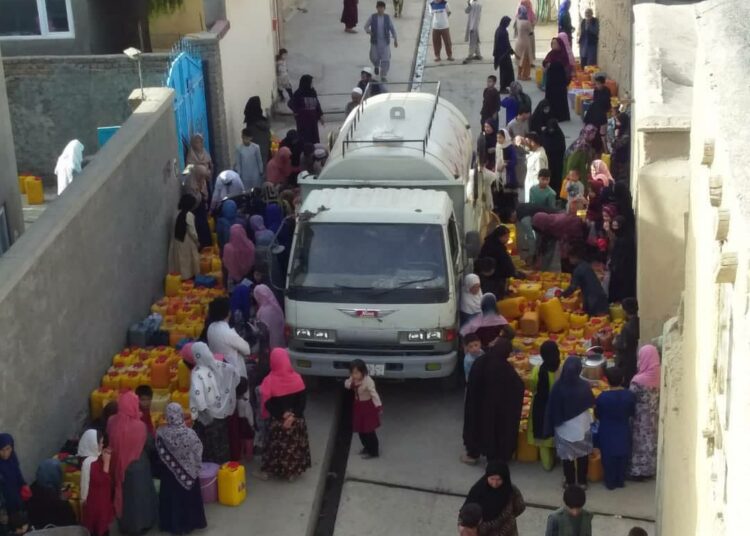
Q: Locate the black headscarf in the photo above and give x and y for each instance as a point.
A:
(292, 141)
(553, 141)
(187, 202)
(570, 396)
(253, 111)
(550, 363)
(624, 201)
(540, 119)
(492, 500)
(305, 88)
(502, 41)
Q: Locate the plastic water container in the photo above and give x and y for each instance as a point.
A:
(160, 373)
(512, 308)
(34, 191)
(172, 285)
(525, 452)
(616, 312)
(529, 323)
(100, 398)
(553, 316)
(596, 469)
(232, 485)
(182, 397)
(530, 291)
(131, 380)
(578, 320)
(183, 375)
(22, 184)
(111, 380)
(594, 325)
(159, 402)
(607, 159)
(208, 477)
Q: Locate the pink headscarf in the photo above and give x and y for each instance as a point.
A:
(281, 381)
(598, 167)
(649, 367)
(280, 166)
(270, 313)
(529, 11)
(239, 253)
(127, 437)
(562, 36)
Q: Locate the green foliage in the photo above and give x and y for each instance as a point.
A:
(161, 7)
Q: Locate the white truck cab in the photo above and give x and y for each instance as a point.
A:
(378, 255)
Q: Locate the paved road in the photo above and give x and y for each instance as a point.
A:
(417, 485)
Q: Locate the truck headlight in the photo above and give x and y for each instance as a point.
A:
(311, 334)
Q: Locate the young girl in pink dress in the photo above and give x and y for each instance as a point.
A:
(367, 408)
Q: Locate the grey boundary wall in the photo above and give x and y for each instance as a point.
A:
(75, 280)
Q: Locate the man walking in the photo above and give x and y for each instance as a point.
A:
(441, 28)
(381, 29)
(474, 12)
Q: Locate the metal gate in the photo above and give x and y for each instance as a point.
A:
(185, 76)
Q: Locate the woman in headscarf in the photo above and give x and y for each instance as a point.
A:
(196, 185)
(582, 152)
(540, 384)
(621, 148)
(258, 126)
(307, 111)
(180, 450)
(556, 231)
(492, 407)
(553, 141)
(68, 165)
(500, 500)
(502, 52)
(280, 169)
(295, 145)
(532, 19)
(228, 217)
(569, 51)
(270, 313)
(523, 44)
(213, 399)
(623, 199)
(626, 343)
(274, 216)
(263, 238)
(564, 22)
(505, 162)
(97, 512)
(486, 145)
(556, 86)
(287, 454)
(471, 298)
(184, 257)
(515, 103)
(645, 385)
(569, 419)
(46, 506)
(238, 256)
(12, 485)
(228, 184)
(540, 118)
(198, 155)
(135, 498)
(598, 167)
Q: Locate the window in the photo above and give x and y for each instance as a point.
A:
(453, 237)
(33, 19)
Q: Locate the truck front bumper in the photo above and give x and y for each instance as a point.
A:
(395, 367)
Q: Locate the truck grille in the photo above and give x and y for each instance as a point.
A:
(373, 350)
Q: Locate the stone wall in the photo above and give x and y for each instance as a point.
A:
(75, 280)
(54, 99)
(615, 43)
(9, 195)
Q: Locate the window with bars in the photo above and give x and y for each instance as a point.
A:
(29, 19)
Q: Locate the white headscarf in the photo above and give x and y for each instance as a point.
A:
(88, 448)
(68, 165)
(471, 304)
(212, 384)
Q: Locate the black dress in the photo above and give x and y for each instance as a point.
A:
(502, 52)
(553, 141)
(180, 510)
(47, 508)
(556, 91)
(622, 268)
(288, 452)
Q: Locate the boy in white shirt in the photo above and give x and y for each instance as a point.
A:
(441, 31)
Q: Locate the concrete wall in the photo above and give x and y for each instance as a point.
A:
(615, 53)
(9, 195)
(88, 268)
(79, 44)
(663, 78)
(247, 60)
(704, 467)
(55, 99)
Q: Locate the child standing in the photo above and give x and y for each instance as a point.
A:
(614, 408)
(472, 352)
(572, 520)
(96, 483)
(12, 485)
(469, 519)
(282, 75)
(367, 408)
(541, 194)
(145, 395)
(248, 162)
(573, 190)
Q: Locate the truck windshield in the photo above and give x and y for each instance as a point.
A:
(376, 263)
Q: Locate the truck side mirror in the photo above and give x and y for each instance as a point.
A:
(472, 244)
